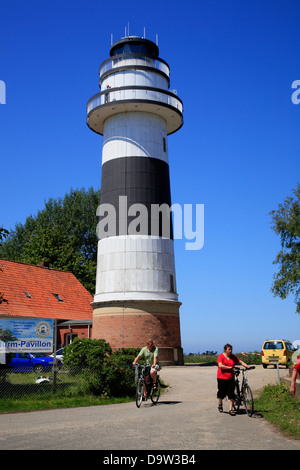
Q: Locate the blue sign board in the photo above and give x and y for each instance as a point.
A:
(26, 335)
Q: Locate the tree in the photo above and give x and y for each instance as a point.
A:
(63, 235)
(286, 223)
(3, 233)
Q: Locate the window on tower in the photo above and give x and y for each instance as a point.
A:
(172, 283)
(147, 49)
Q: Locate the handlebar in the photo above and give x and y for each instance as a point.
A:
(137, 365)
(143, 366)
(244, 368)
(237, 369)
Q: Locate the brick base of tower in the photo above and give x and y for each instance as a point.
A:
(129, 324)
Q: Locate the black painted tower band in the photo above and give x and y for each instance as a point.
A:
(142, 181)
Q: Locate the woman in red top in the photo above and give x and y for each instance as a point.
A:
(225, 377)
(294, 376)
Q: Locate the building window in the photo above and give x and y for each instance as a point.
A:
(27, 295)
(164, 144)
(70, 337)
(58, 297)
(172, 283)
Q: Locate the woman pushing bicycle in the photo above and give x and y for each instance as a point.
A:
(225, 377)
(150, 355)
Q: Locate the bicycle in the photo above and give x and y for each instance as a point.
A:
(153, 393)
(243, 393)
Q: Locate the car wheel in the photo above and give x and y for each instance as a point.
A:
(38, 368)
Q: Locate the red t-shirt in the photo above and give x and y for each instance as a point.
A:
(297, 367)
(226, 373)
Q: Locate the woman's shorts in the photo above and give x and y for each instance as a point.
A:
(225, 389)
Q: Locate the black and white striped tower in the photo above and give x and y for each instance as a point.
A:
(136, 297)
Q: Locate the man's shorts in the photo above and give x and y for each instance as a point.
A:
(148, 368)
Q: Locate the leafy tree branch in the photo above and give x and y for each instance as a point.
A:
(286, 224)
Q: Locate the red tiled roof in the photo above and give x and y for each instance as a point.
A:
(41, 283)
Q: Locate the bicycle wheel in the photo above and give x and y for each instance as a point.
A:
(248, 400)
(155, 394)
(237, 398)
(139, 392)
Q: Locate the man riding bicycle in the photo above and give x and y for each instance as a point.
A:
(150, 355)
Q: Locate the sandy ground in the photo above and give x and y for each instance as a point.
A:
(200, 380)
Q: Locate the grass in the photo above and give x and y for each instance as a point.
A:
(199, 358)
(50, 401)
(14, 405)
(251, 358)
(277, 406)
(20, 393)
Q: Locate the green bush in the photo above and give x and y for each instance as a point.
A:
(212, 356)
(115, 377)
(86, 352)
(106, 373)
(197, 358)
(250, 358)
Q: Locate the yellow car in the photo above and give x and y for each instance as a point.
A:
(276, 350)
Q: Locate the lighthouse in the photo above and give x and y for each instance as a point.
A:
(136, 294)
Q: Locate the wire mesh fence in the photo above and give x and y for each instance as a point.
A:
(88, 367)
(67, 381)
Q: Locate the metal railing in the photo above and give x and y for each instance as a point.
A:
(132, 60)
(112, 95)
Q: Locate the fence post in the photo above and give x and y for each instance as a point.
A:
(54, 368)
(277, 366)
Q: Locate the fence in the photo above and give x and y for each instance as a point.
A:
(17, 383)
(66, 382)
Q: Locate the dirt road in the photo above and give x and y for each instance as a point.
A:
(186, 418)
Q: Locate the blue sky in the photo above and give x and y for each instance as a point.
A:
(232, 63)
